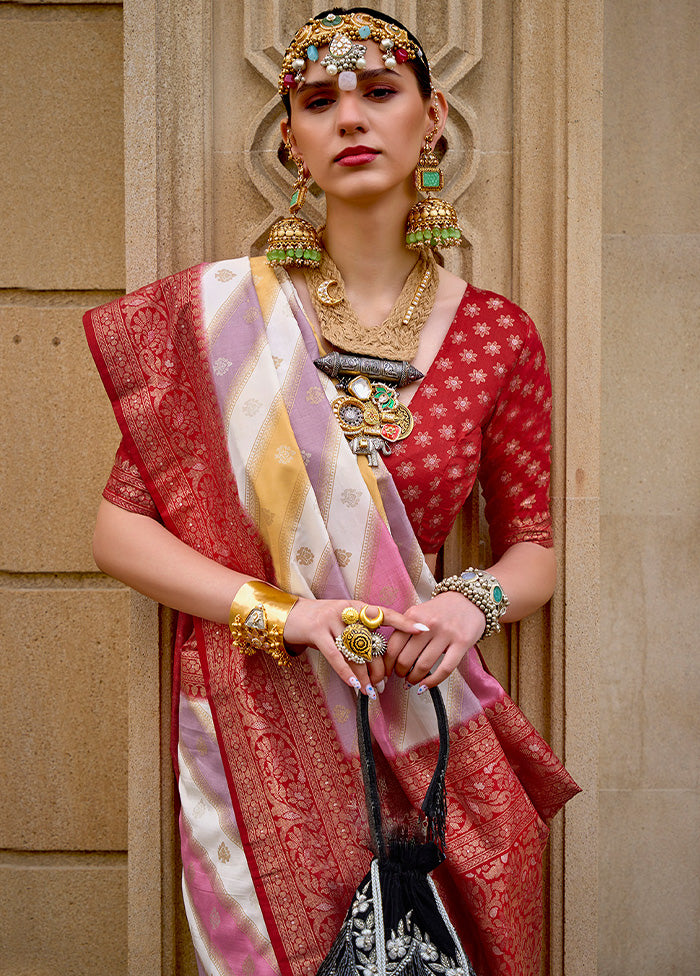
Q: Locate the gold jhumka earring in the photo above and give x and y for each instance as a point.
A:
(431, 222)
(293, 241)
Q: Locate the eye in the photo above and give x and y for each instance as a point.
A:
(318, 102)
(380, 92)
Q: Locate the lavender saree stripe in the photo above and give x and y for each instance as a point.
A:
(403, 534)
(230, 345)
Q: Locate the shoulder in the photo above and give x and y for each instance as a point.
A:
(487, 314)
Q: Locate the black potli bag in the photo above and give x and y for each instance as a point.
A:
(396, 924)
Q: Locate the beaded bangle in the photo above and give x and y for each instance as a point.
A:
(257, 618)
(483, 590)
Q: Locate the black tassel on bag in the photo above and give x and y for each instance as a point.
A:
(396, 924)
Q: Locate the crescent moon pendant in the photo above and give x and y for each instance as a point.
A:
(324, 297)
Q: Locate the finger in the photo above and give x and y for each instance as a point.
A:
(377, 672)
(445, 668)
(399, 621)
(432, 656)
(412, 653)
(395, 645)
(356, 675)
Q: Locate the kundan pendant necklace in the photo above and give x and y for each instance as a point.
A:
(368, 408)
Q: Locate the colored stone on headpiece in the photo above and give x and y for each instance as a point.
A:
(344, 54)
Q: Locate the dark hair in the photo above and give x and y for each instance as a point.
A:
(419, 66)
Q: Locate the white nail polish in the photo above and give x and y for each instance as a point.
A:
(422, 628)
(381, 685)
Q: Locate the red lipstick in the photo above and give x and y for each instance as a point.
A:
(356, 155)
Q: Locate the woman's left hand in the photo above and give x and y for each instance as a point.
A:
(454, 625)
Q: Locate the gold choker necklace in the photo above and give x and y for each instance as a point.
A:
(398, 335)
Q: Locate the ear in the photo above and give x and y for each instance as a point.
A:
(288, 137)
(437, 113)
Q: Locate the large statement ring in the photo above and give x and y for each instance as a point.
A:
(357, 643)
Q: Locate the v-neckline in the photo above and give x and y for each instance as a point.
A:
(438, 355)
(320, 340)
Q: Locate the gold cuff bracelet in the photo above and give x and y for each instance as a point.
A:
(257, 618)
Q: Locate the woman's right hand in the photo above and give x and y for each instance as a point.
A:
(317, 623)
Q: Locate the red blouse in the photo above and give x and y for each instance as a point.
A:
(483, 409)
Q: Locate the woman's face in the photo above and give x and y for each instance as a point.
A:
(361, 143)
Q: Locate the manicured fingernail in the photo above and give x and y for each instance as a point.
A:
(381, 686)
(371, 693)
(354, 683)
(407, 685)
(422, 688)
(422, 628)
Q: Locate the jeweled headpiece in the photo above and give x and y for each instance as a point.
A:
(343, 35)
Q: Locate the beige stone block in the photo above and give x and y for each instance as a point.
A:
(487, 88)
(651, 361)
(61, 154)
(652, 131)
(58, 436)
(649, 882)
(486, 207)
(650, 671)
(239, 230)
(240, 92)
(63, 916)
(63, 731)
(579, 589)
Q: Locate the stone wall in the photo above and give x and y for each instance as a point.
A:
(63, 729)
(128, 151)
(650, 689)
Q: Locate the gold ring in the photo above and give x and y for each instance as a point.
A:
(369, 622)
(357, 644)
(349, 616)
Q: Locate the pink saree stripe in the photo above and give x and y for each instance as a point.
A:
(220, 921)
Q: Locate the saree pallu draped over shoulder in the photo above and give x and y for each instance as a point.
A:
(211, 377)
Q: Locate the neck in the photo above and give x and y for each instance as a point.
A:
(366, 242)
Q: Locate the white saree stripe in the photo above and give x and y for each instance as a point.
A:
(217, 888)
(225, 852)
(220, 281)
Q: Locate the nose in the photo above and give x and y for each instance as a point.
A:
(350, 116)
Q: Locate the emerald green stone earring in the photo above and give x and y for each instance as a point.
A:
(431, 222)
(293, 241)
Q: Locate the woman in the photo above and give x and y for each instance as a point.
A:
(289, 505)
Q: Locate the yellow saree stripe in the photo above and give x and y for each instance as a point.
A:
(266, 285)
(278, 478)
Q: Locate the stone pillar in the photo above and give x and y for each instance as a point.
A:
(167, 150)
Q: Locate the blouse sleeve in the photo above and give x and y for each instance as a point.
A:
(125, 487)
(515, 457)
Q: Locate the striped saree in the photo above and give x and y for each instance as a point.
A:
(211, 377)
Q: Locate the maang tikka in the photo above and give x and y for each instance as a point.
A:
(293, 241)
(431, 222)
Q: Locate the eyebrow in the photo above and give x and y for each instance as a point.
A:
(369, 74)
